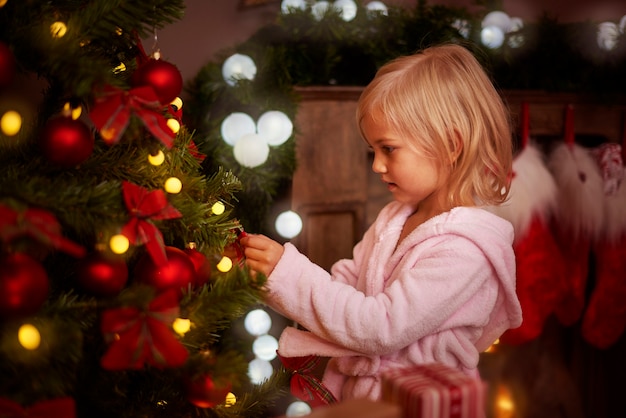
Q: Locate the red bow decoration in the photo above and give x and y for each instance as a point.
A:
(112, 111)
(304, 386)
(53, 408)
(143, 336)
(144, 205)
(38, 224)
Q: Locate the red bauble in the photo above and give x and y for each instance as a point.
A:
(7, 65)
(66, 142)
(102, 274)
(23, 285)
(201, 265)
(203, 392)
(177, 273)
(163, 76)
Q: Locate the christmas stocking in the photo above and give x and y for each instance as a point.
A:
(578, 221)
(605, 317)
(540, 268)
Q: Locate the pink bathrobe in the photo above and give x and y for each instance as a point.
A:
(445, 294)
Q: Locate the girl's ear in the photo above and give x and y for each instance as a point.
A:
(456, 146)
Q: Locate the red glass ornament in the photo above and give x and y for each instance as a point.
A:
(203, 392)
(201, 265)
(7, 65)
(102, 274)
(163, 76)
(66, 142)
(177, 273)
(23, 285)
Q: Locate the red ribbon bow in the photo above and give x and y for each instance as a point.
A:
(304, 386)
(143, 336)
(53, 408)
(144, 205)
(112, 111)
(38, 224)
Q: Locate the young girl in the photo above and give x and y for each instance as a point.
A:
(433, 279)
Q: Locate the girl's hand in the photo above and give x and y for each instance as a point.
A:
(262, 253)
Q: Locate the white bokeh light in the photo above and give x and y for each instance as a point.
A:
(608, 33)
(287, 6)
(236, 125)
(288, 224)
(463, 27)
(376, 7)
(257, 322)
(265, 346)
(347, 9)
(498, 19)
(492, 37)
(319, 9)
(622, 24)
(275, 127)
(251, 150)
(238, 67)
(259, 371)
(298, 409)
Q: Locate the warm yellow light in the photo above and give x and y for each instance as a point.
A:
(173, 185)
(119, 31)
(225, 264)
(120, 68)
(11, 123)
(58, 29)
(3, 2)
(177, 103)
(493, 347)
(28, 335)
(119, 244)
(181, 326)
(74, 112)
(156, 159)
(173, 124)
(218, 208)
(231, 399)
(504, 405)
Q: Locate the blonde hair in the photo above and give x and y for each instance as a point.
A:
(442, 101)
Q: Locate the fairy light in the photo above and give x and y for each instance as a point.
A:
(173, 185)
(493, 347)
(156, 159)
(119, 244)
(225, 264)
(177, 103)
(181, 326)
(230, 400)
(120, 68)
(73, 112)
(504, 405)
(58, 29)
(218, 208)
(11, 123)
(173, 124)
(3, 2)
(29, 337)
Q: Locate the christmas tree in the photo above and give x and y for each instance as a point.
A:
(116, 296)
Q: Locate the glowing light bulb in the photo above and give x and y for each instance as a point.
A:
(288, 224)
(231, 399)
(156, 159)
(265, 346)
(177, 103)
(120, 68)
(259, 370)
(119, 244)
(173, 124)
(73, 112)
(218, 208)
(11, 123)
(492, 37)
(238, 67)
(225, 264)
(181, 326)
(29, 337)
(3, 2)
(58, 29)
(257, 322)
(173, 185)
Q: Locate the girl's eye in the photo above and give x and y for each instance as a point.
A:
(387, 149)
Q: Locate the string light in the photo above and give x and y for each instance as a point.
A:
(173, 185)
(231, 399)
(156, 159)
(225, 264)
(73, 112)
(173, 124)
(29, 337)
(181, 326)
(119, 244)
(58, 29)
(177, 103)
(218, 208)
(120, 68)
(11, 123)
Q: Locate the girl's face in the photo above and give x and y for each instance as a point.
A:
(411, 177)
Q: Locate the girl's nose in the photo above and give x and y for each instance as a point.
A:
(378, 165)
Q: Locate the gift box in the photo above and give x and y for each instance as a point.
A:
(434, 391)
